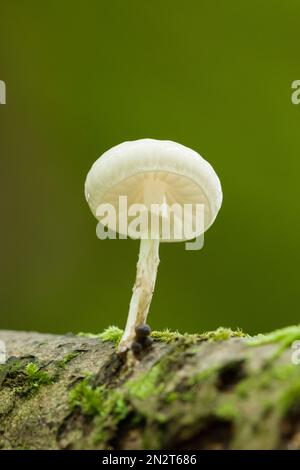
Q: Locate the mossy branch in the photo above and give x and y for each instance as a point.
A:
(216, 390)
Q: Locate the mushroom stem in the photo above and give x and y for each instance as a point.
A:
(142, 291)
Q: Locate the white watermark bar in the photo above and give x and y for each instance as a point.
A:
(2, 92)
(164, 222)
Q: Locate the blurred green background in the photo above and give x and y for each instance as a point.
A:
(84, 76)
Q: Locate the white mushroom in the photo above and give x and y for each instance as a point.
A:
(149, 171)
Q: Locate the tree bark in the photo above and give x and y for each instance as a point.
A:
(195, 392)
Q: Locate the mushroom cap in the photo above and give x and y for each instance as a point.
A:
(150, 171)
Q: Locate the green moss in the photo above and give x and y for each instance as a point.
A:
(86, 397)
(290, 398)
(286, 373)
(97, 400)
(171, 397)
(222, 334)
(246, 386)
(114, 409)
(203, 375)
(112, 333)
(88, 335)
(284, 337)
(31, 369)
(107, 406)
(283, 372)
(187, 396)
(36, 377)
(146, 385)
(166, 336)
(14, 366)
(68, 358)
(24, 377)
(267, 406)
(253, 400)
(154, 381)
(227, 411)
(152, 396)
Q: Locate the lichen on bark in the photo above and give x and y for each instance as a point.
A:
(217, 390)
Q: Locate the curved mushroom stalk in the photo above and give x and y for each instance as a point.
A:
(142, 291)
